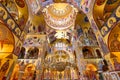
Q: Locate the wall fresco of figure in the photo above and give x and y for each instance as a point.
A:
(114, 39)
(116, 64)
(4, 69)
(115, 44)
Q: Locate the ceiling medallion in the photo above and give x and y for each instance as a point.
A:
(60, 15)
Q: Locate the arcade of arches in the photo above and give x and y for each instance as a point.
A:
(59, 39)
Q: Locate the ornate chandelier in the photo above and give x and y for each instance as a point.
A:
(60, 15)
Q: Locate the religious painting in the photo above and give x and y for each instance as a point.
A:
(17, 48)
(116, 64)
(108, 19)
(85, 5)
(88, 38)
(115, 44)
(29, 72)
(79, 30)
(22, 69)
(92, 37)
(34, 40)
(34, 6)
(114, 39)
(20, 3)
(90, 72)
(3, 13)
(4, 68)
(15, 73)
(21, 22)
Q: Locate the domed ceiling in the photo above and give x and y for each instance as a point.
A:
(57, 14)
(59, 10)
(60, 15)
(38, 21)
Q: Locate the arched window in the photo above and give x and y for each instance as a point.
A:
(33, 53)
(87, 52)
(98, 53)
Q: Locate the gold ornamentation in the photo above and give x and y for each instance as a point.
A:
(118, 12)
(11, 23)
(3, 13)
(104, 30)
(111, 21)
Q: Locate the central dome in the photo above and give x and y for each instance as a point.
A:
(60, 15)
(59, 10)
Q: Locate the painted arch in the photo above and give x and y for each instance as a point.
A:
(103, 9)
(114, 46)
(7, 42)
(18, 10)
